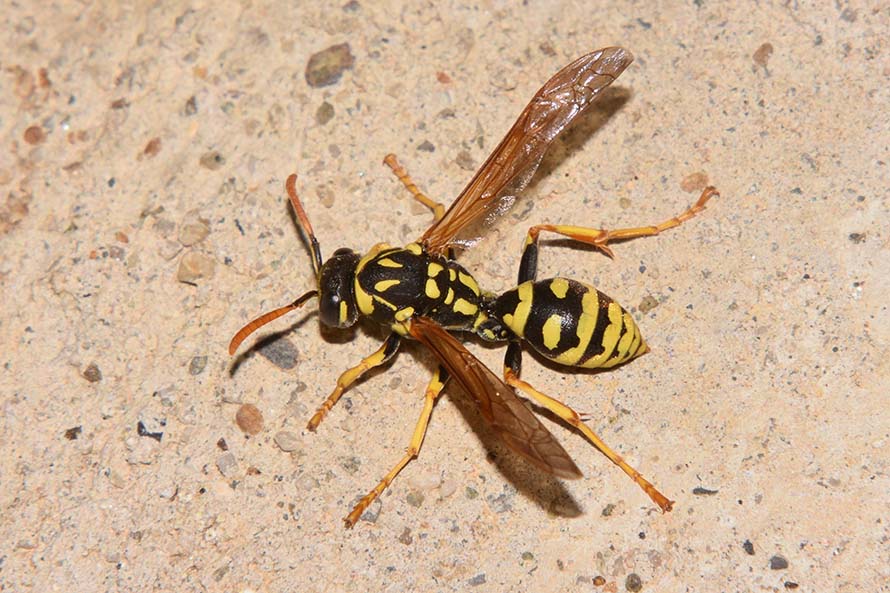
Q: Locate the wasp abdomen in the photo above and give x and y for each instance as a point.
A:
(570, 323)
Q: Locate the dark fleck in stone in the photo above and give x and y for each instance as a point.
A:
(92, 373)
(647, 304)
(415, 498)
(222, 444)
(191, 106)
(465, 161)
(608, 510)
(857, 237)
(471, 493)
(406, 537)
(477, 580)
(196, 366)
(327, 66)
(249, 419)
(324, 113)
(791, 585)
(152, 148)
(426, 146)
(748, 547)
(699, 491)
(34, 135)
(778, 563)
(645, 24)
(281, 352)
(120, 104)
(142, 431)
(633, 582)
(527, 556)
(351, 464)
(212, 160)
(72, 433)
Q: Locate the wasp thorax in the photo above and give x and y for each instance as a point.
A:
(336, 289)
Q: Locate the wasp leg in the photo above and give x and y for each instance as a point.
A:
(600, 238)
(380, 356)
(433, 391)
(512, 365)
(393, 163)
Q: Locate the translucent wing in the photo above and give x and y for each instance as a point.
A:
(510, 419)
(513, 163)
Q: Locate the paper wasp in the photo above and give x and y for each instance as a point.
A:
(420, 292)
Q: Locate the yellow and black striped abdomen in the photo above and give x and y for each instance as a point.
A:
(570, 323)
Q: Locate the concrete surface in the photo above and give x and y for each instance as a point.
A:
(143, 221)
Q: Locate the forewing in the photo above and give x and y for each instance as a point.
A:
(513, 163)
(510, 419)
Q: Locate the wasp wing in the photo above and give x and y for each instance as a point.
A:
(513, 163)
(510, 419)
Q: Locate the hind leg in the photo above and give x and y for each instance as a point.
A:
(437, 209)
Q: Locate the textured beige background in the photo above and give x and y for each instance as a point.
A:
(768, 377)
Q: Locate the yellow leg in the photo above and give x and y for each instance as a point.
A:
(600, 238)
(572, 417)
(380, 356)
(433, 391)
(393, 163)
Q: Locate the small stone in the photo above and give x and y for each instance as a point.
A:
(92, 373)
(227, 465)
(415, 498)
(196, 366)
(778, 563)
(477, 580)
(192, 233)
(633, 582)
(694, 182)
(73, 433)
(324, 113)
(152, 428)
(169, 249)
(647, 304)
(212, 160)
(194, 266)
(599, 581)
(191, 106)
(748, 547)
(406, 537)
(152, 148)
(608, 510)
(327, 66)
(34, 135)
(281, 352)
(471, 493)
(426, 146)
(762, 55)
(249, 419)
(287, 441)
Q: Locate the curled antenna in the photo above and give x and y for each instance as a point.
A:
(266, 318)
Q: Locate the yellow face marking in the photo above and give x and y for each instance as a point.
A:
(384, 285)
(452, 274)
(469, 282)
(584, 331)
(559, 287)
(464, 306)
(388, 263)
(404, 314)
(449, 296)
(433, 269)
(414, 248)
(552, 331)
(344, 312)
(363, 299)
(432, 289)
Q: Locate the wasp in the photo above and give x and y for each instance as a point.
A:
(420, 292)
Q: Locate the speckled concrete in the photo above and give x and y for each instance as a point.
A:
(143, 221)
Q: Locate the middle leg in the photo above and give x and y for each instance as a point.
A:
(437, 209)
(512, 367)
(433, 391)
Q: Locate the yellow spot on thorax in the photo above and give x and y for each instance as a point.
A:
(404, 314)
(433, 269)
(469, 282)
(414, 248)
(388, 263)
(464, 306)
(432, 289)
(384, 285)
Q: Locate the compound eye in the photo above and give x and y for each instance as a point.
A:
(337, 307)
(342, 251)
